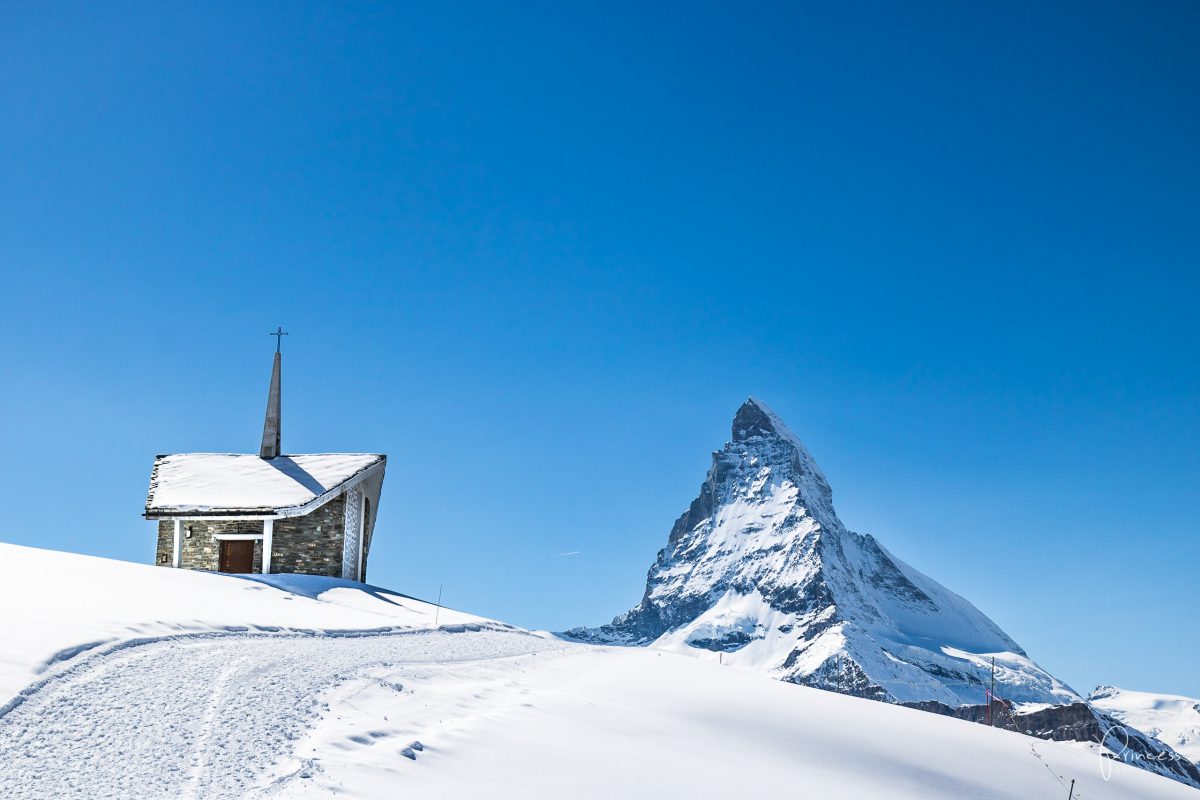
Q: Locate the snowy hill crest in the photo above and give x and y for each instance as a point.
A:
(761, 568)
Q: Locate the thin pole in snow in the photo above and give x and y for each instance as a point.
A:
(992, 693)
(1071, 794)
(438, 613)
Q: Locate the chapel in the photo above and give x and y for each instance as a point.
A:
(268, 512)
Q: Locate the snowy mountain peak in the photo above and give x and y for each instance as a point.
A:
(755, 418)
(760, 438)
(760, 569)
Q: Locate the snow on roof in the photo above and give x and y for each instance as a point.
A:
(235, 483)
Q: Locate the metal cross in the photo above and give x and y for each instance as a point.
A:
(278, 333)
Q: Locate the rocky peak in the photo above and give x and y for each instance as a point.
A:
(763, 446)
(760, 568)
(753, 419)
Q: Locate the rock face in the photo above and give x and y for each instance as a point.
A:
(760, 569)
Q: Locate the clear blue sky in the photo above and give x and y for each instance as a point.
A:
(540, 253)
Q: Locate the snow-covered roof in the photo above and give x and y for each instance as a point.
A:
(227, 484)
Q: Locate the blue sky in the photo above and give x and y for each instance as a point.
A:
(539, 254)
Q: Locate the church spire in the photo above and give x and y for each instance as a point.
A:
(271, 425)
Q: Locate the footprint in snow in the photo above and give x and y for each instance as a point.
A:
(410, 752)
(369, 737)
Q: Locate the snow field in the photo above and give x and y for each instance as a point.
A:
(204, 687)
(52, 604)
(203, 717)
(589, 722)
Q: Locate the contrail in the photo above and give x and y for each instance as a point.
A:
(561, 555)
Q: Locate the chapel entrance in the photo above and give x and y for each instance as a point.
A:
(237, 556)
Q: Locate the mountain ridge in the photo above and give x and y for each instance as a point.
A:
(761, 569)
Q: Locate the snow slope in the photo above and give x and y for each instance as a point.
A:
(52, 605)
(228, 689)
(761, 572)
(1172, 719)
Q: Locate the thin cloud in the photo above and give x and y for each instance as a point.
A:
(564, 555)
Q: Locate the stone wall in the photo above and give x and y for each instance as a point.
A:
(201, 550)
(166, 533)
(308, 545)
(312, 544)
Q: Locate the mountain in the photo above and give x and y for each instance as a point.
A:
(761, 570)
(1172, 719)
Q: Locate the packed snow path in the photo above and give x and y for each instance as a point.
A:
(205, 716)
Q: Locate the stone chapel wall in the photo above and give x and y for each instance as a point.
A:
(201, 550)
(308, 545)
(312, 544)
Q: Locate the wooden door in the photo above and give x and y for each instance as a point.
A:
(236, 556)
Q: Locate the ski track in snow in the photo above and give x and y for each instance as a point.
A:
(201, 717)
(489, 713)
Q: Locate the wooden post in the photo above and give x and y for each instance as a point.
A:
(177, 549)
(992, 693)
(268, 541)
